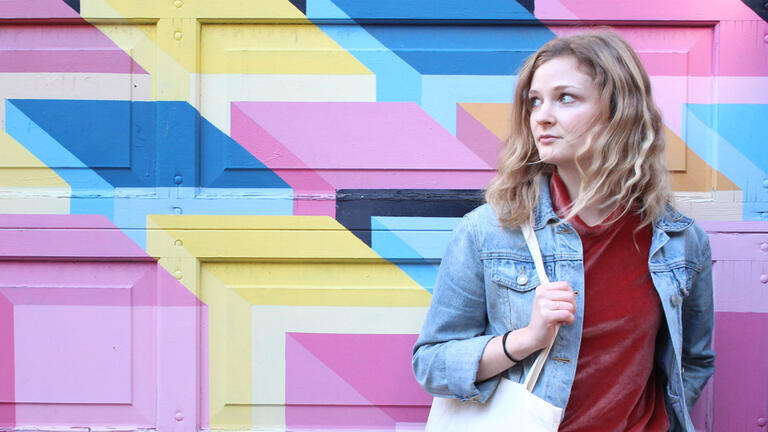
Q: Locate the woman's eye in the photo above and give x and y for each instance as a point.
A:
(566, 98)
(534, 101)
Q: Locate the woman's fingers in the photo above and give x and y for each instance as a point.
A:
(554, 304)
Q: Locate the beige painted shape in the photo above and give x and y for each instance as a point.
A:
(720, 205)
(494, 116)
(698, 176)
(675, 151)
(38, 200)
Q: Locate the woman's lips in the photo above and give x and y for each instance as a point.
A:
(547, 139)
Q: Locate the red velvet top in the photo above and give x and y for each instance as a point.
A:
(616, 387)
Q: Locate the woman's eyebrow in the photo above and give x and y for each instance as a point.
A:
(558, 87)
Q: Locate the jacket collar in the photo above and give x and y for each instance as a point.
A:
(669, 221)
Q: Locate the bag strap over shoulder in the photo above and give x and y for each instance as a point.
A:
(533, 247)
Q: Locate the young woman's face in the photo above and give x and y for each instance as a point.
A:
(565, 106)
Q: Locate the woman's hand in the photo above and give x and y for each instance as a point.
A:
(554, 304)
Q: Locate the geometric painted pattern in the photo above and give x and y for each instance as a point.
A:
(254, 197)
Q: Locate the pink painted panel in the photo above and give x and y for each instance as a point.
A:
(739, 287)
(388, 354)
(670, 51)
(7, 367)
(65, 236)
(40, 221)
(73, 354)
(650, 10)
(203, 399)
(743, 48)
(61, 48)
(37, 9)
(141, 409)
(326, 387)
(730, 89)
(98, 343)
(375, 145)
(741, 371)
(179, 356)
(738, 247)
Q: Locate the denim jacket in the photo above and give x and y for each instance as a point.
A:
(486, 284)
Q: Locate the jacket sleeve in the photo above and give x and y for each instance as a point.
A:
(698, 358)
(447, 353)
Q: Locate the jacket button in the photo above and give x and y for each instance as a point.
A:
(675, 300)
(522, 279)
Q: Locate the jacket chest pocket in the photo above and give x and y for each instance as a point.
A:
(515, 284)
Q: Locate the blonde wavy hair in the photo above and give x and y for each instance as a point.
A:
(626, 170)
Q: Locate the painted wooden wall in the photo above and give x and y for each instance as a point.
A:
(229, 214)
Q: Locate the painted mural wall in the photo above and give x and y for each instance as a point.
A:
(230, 214)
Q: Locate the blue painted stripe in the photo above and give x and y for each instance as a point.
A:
(441, 93)
(396, 80)
(145, 144)
(725, 157)
(462, 50)
(133, 205)
(435, 10)
(743, 125)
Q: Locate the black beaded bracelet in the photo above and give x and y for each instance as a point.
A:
(504, 346)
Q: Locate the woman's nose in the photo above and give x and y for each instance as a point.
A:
(543, 114)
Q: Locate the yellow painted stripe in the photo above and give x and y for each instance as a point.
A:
(274, 49)
(229, 353)
(20, 168)
(218, 9)
(192, 37)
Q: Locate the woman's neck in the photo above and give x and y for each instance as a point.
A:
(592, 214)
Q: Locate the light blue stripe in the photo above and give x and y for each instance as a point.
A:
(441, 93)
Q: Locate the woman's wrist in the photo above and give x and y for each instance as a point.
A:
(517, 344)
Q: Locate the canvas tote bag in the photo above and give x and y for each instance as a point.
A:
(513, 407)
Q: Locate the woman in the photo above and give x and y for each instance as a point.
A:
(632, 280)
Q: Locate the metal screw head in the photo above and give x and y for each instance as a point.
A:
(764, 278)
(177, 35)
(179, 416)
(764, 247)
(762, 422)
(178, 3)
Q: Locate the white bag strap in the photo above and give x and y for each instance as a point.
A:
(533, 247)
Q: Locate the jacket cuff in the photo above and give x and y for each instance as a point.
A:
(462, 361)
